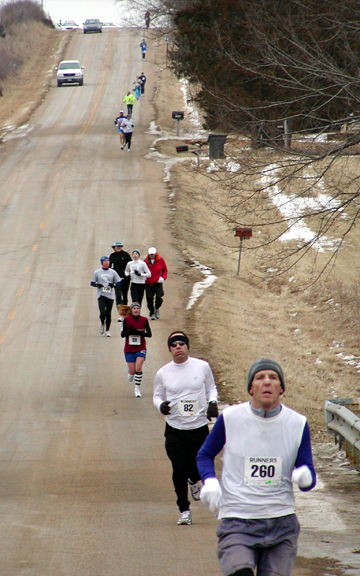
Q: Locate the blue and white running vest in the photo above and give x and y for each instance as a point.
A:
(259, 456)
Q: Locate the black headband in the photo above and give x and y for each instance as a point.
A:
(178, 338)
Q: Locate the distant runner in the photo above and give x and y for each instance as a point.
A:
(104, 279)
(137, 88)
(129, 100)
(127, 127)
(154, 284)
(118, 260)
(143, 48)
(138, 272)
(135, 329)
(147, 19)
(118, 121)
(142, 79)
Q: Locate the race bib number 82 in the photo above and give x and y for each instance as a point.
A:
(263, 471)
(188, 407)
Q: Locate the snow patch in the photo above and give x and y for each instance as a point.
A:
(12, 132)
(200, 287)
(292, 208)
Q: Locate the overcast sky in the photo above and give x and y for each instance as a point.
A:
(79, 10)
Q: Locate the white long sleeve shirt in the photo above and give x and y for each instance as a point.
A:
(188, 386)
(141, 267)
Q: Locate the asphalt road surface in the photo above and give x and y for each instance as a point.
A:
(85, 482)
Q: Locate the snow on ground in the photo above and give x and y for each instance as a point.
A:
(200, 287)
(293, 207)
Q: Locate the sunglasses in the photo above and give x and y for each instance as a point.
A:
(180, 343)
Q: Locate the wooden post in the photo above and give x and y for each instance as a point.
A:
(287, 134)
(243, 234)
(238, 269)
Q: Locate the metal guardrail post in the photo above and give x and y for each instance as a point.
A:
(345, 425)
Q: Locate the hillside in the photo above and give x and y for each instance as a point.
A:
(24, 88)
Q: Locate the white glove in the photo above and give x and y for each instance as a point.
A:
(161, 280)
(302, 476)
(211, 493)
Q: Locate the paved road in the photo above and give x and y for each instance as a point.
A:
(85, 483)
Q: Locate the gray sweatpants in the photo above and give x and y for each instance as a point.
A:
(270, 544)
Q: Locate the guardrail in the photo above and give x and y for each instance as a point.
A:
(345, 425)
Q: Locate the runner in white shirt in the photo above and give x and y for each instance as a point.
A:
(185, 392)
(138, 272)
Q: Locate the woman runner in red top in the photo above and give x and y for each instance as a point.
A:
(135, 329)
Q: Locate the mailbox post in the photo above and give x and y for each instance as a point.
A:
(167, 42)
(243, 234)
(178, 116)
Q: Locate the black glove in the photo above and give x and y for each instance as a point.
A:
(100, 285)
(212, 411)
(133, 331)
(137, 272)
(111, 285)
(165, 408)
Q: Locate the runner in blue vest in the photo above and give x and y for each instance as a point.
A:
(143, 48)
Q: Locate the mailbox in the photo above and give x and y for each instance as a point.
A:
(243, 232)
(177, 115)
(182, 148)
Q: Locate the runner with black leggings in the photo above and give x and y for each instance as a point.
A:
(104, 279)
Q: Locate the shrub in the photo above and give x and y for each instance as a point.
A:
(19, 11)
(14, 17)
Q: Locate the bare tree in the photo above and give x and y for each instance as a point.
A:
(158, 14)
(262, 65)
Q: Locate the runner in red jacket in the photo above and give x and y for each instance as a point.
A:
(154, 284)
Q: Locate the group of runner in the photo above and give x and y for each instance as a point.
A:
(266, 449)
(117, 274)
(124, 123)
(266, 446)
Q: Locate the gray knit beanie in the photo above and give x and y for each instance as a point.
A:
(265, 364)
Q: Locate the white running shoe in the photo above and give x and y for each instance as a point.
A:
(157, 313)
(152, 317)
(120, 319)
(130, 377)
(185, 518)
(195, 490)
(137, 391)
(101, 329)
(108, 335)
(128, 149)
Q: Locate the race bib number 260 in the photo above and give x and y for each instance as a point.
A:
(263, 471)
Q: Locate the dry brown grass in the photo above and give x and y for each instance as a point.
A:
(16, 19)
(23, 91)
(241, 318)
